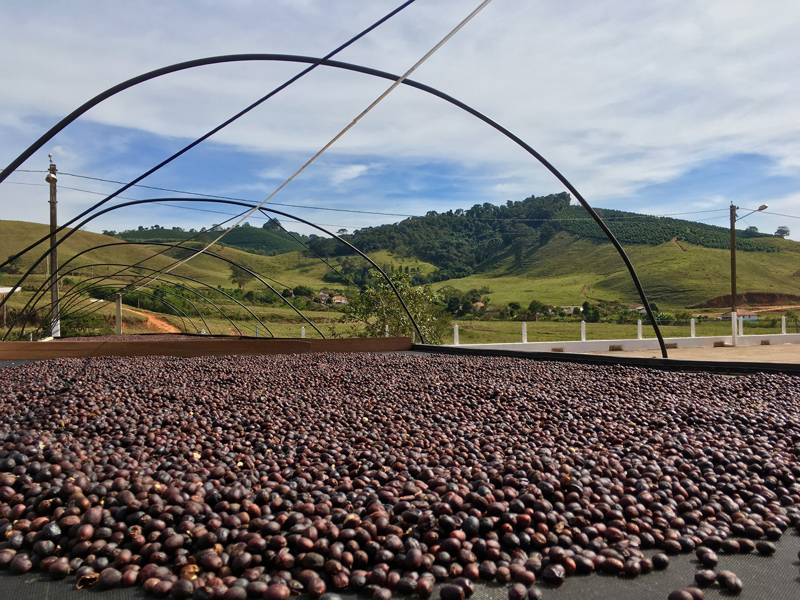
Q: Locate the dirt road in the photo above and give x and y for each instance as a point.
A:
(160, 325)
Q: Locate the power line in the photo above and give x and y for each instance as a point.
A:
(369, 212)
(780, 215)
(336, 138)
(188, 193)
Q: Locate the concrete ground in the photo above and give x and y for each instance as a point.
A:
(777, 353)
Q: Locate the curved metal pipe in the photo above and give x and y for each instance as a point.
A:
(69, 302)
(212, 254)
(153, 74)
(347, 66)
(199, 313)
(265, 209)
(180, 314)
(43, 288)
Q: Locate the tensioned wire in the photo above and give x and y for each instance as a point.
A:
(8, 170)
(631, 217)
(352, 124)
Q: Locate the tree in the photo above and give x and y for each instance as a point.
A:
(273, 223)
(522, 238)
(13, 266)
(782, 231)
(378, 309)
(536, 308)
(591, 314)
(513, 308)
(303, 290)
(752, 230)
(239, 276)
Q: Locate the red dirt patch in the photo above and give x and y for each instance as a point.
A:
(753, 299)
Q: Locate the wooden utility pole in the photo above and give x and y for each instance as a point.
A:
(55, 327)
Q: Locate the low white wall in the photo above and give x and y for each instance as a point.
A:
(644, 344)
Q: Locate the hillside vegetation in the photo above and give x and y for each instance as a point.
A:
(270, 239)
(569, 270)
(540, 248)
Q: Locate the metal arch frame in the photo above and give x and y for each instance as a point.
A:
(205, 298)
(235, 203)
(140, 266)
(212, 254)
(42, 288)
(199, 313)
(77, 299)
(229, 261)
(92, 287)
(168, 303)
(188, 289)
(346, 66)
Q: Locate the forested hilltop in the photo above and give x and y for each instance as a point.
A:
(462, 242)
(270, 239)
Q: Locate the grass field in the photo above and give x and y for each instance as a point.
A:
(570, 271)
(284, 322)
(496, 332)
(566, 271)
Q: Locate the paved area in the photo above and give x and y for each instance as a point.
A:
(777, 353)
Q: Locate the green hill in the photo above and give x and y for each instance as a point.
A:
(14, 235)
(268, 240)
(633, 228)
(539, 248)
(570, 270)
(472, 241)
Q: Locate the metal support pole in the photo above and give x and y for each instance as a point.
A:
(733, 261)
(455, 334)
(524, 332)
(55, 321)
(691, 323)
(783, 323)
(638, 329)
(734, 328)
(119, 313)
(583, 331)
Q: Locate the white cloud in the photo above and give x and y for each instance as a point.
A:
(343, 174)
(617, 95)
(60, 152)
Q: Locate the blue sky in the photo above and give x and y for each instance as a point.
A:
(658, 107)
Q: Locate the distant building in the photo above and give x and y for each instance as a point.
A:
(571, 310)
(478, 304)
(746, 315)
(340, 300)
(638, 308)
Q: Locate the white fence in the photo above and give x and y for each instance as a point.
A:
(737, 338)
